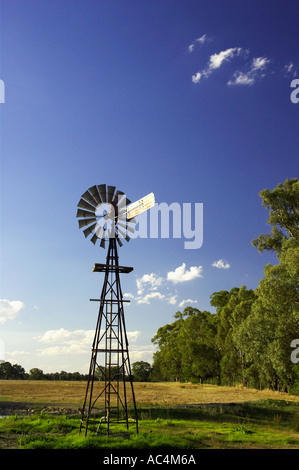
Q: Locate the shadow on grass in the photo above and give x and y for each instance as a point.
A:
(279, 412)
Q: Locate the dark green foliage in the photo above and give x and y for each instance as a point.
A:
(141, 371)
(283, 203)
(9, 371)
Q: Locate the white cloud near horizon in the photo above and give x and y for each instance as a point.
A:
(220, 264)
(72, 342)
(187, 301)
(147, 297)
(180, 274)
(9, 309)
(147, 285)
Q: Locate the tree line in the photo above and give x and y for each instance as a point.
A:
(248, 339)
(141, 372)
(10, 371)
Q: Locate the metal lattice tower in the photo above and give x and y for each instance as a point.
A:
(111, 345)
(107, 213)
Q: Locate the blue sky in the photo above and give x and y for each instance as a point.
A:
(188, 99)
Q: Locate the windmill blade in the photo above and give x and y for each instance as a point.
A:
(94, 239)
(102, 192)
(122, 207)
(88, 197)
(89, 230)
(85, 214)
(84, 222)
(102, 244)
(125, 226)
(100, 233)
(122, 201)
(123, 234)
(95, 194)
(110, 192)
(119, 242)
(85, 205)
(117, 197)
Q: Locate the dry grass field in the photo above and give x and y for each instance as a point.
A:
(67, 393)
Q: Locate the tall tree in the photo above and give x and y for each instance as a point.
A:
(283, 203)
(168, 356)
(266, 335)
(141, 371)
(232, 309)
(197, 342)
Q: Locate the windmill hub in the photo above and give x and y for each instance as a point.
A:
(100, 203)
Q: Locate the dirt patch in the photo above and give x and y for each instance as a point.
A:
(8, 408)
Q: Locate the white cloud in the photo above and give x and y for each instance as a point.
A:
(259, 63)
(133, 336)
(152, 281)
(256, 71)
(220, 264)
(290, 69)
(180, 274)
(67, 336)
(14, 354)
(187, 301)
(142, 353)
(216, 60)
(147, 297)
(172, 300)
(60, 350)
(201, 40)
(9, 309)
(241, 79)
(130, 296)
(196, 77)
(72, 342)
(152, 295)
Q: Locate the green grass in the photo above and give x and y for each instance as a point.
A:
(261, 424)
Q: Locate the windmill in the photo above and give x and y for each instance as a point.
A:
(107, 215)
